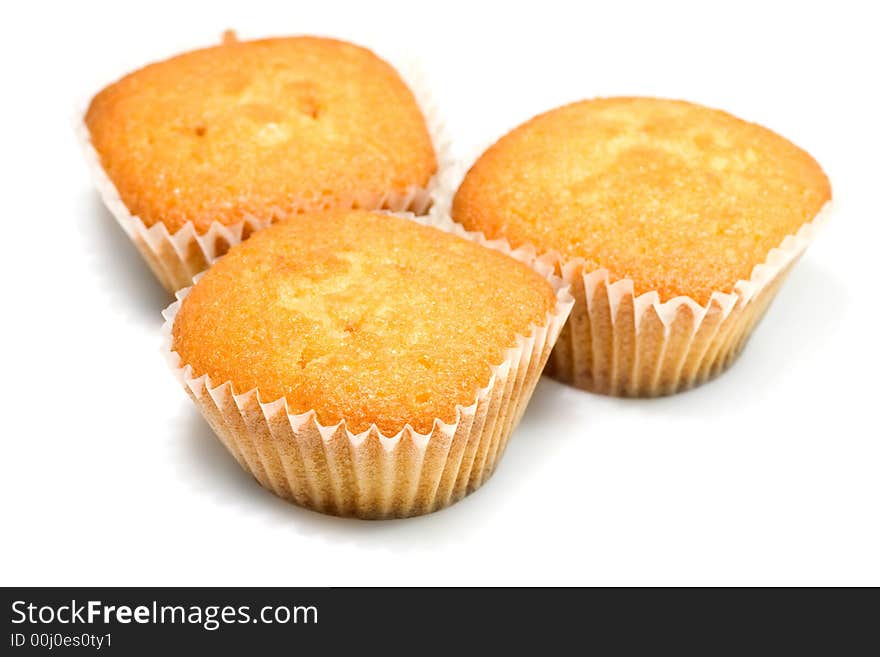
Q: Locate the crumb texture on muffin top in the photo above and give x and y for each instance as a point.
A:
(259, 128)
(681, 199)
(364, 317)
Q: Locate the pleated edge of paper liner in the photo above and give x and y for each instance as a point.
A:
(778, 258)
(156, 242)
(530, 351)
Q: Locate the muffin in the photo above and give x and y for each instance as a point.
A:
(202, 149)
(363, 364)
(675, 224)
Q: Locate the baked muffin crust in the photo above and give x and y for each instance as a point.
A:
(679, 198)
(259, 128)
(364, 317)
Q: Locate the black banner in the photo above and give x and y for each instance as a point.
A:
(252, 621)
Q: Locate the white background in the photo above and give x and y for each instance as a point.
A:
(769, 475)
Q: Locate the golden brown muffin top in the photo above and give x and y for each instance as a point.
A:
(364, 317)
(679, 198)
(258, 126)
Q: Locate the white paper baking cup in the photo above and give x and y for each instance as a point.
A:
(617, 343)
(371, 475)
(175, 258)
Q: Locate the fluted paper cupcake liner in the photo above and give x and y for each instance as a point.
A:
(617, 343)
(175, 258)
(371, 475)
